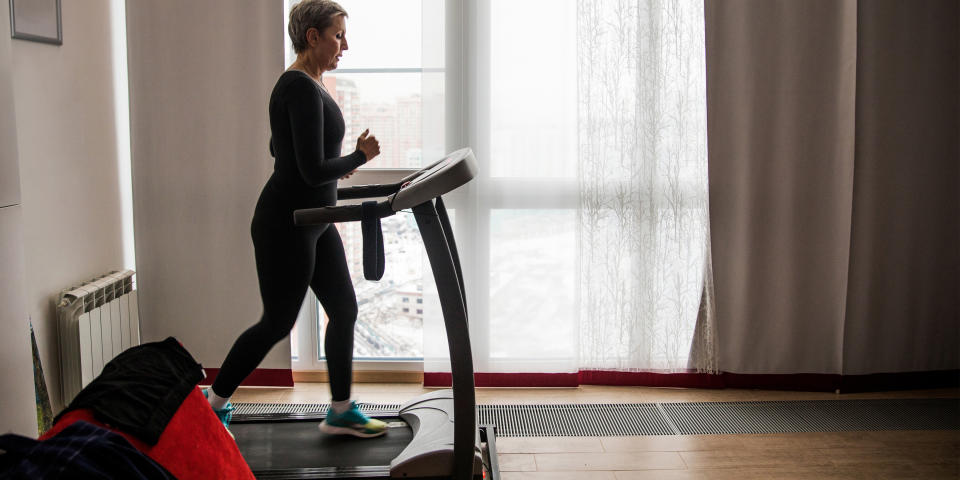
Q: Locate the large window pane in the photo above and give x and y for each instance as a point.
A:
(533, 86)
(382, 34)
(532, 297)
(388, 104)
(390, 319)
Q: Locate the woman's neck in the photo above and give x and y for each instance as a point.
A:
(307, 65)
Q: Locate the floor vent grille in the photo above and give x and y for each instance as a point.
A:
(695, 418)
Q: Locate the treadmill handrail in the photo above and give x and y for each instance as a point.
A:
(368, 191)
(340, 214)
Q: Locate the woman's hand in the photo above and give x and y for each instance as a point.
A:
(368, 144)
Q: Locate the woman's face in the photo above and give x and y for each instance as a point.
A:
(331, 43)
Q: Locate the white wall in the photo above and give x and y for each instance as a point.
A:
(9, 170)
(17, 406)
(201, 74)
(66, 134)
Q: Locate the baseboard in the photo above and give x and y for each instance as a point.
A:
(515, 380)
(362, 376)
(279, 377)
(261, 377)
(900, 381)
(794, 382)
(877, 382)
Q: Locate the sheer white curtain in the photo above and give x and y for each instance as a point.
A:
(643, 220)
(583, 239)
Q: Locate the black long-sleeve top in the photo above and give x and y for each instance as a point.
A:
(307, 131)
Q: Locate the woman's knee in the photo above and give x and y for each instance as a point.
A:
(276, 327)
(345, 313)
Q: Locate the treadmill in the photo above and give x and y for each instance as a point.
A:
(433, 436)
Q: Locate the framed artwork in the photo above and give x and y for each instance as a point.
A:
(36, 20)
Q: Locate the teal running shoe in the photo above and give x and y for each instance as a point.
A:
(352, 422)
(225, 414)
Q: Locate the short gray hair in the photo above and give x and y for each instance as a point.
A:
(309, 14)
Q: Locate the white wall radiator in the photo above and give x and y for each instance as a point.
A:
(96, 321)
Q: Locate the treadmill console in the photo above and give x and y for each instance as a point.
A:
(440, 178)
(427, 172)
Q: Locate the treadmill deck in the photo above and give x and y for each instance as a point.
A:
(298, 449)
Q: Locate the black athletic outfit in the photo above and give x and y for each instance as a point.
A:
(307, 128)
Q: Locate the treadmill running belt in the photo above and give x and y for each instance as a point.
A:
(295, 445)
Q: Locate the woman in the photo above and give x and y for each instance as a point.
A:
(307, 128)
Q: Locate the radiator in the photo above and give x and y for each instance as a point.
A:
(96, 321)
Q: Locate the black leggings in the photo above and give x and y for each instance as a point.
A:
(289, 259)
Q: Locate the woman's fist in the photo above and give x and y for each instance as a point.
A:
(368, 144)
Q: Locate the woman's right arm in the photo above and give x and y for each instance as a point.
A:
(305, 109)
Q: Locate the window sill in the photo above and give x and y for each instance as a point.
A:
(362, 376)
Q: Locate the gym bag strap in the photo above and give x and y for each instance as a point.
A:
(373, 258)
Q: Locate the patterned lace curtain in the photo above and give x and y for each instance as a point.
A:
(644, 264)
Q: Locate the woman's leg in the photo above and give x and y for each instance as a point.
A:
(285, 260)
(334, 288)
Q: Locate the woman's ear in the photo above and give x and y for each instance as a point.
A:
(313, 36)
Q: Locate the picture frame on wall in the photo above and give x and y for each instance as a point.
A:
(36, 21)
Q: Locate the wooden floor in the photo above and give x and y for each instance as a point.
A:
(834, 455)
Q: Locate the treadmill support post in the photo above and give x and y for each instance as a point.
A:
(445, 274)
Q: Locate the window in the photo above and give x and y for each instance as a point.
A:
(518, 226)
(377, 86)
(504, 78)
(532, 145)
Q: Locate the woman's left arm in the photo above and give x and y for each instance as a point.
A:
(305, 108)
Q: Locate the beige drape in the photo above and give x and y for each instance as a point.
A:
(902, 296)
(833, 165)
(200, 80)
